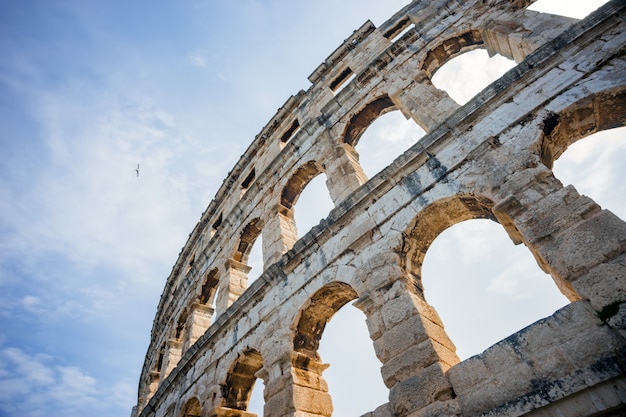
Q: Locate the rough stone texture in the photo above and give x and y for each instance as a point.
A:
(490, 158)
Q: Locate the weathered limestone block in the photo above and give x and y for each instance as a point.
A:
(424, 103)
(419, 391)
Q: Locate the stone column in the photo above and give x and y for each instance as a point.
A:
(173, 353)
(427, 105)
(234, 284)
(199, 321)
(343, 173)
(582, 246)
(279, 234)
(295, 387)
(410, 341)
(514, 36)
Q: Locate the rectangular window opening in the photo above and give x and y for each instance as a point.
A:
(342, 80)
(289, 133)
(399, 30)
(217, 223)
(249, 180)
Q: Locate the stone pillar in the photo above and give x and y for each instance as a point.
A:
(582, 246)
(234, 284)
(155, 378)
(173, 353)
(427, 105)
(410, 341)
(199, 321)
(514, 36)
(295, 387)
(343, 173)
(279, 234)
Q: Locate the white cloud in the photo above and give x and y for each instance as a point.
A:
(575, 9)
(198, 59)
(32, 385)
(386, 139)
(466, 75)
(30, 301)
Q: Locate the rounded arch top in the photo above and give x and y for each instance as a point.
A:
(596, 112)
(433, 220)
(318, 311)
(247, 237)
(365, 117)
(298, 181)
(450, 48)
(240, 379)
(192, 408)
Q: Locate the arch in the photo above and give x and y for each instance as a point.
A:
(594, 166)
(469, 72)
(240, 380)
(365, 117)
(298, 182)
(180, 331)
(209, 287)
(192, 408)
(448, 49)
(248, 236)
(316, 313)
(433, 220)
(596, 112)
(483, 287)
(385, 139)
(171, 410)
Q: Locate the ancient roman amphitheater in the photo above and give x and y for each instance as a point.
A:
(214, 336)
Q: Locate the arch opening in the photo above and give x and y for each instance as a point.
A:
(240, 380)
(500, 291)
(354, 379)
(465, 74)
(297, 183)
(382, 138)
(595, 166)
(192, 408)
(314, 204)
(181, 326)
(319, 310)
(595, 113)
(349, 347)
(494, 269)
(249, 251)
(208, 290)
(305, 200)
(361, 121)
(450, 48)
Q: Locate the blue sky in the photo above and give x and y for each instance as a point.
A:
(90, 89)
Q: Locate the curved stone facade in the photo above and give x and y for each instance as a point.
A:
(490, 158)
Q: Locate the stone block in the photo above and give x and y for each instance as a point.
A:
(604, 285)
(419, 391)
(469, 374)
(586, 244)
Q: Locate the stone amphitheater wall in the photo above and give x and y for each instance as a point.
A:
(214, 335)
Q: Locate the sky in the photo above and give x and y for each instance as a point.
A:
(90, 89)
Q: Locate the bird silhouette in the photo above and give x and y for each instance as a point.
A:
(137, 169)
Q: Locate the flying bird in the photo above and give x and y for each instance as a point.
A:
(137, 170)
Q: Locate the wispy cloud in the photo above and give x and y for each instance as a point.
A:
(31, 385)
(198, 59)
